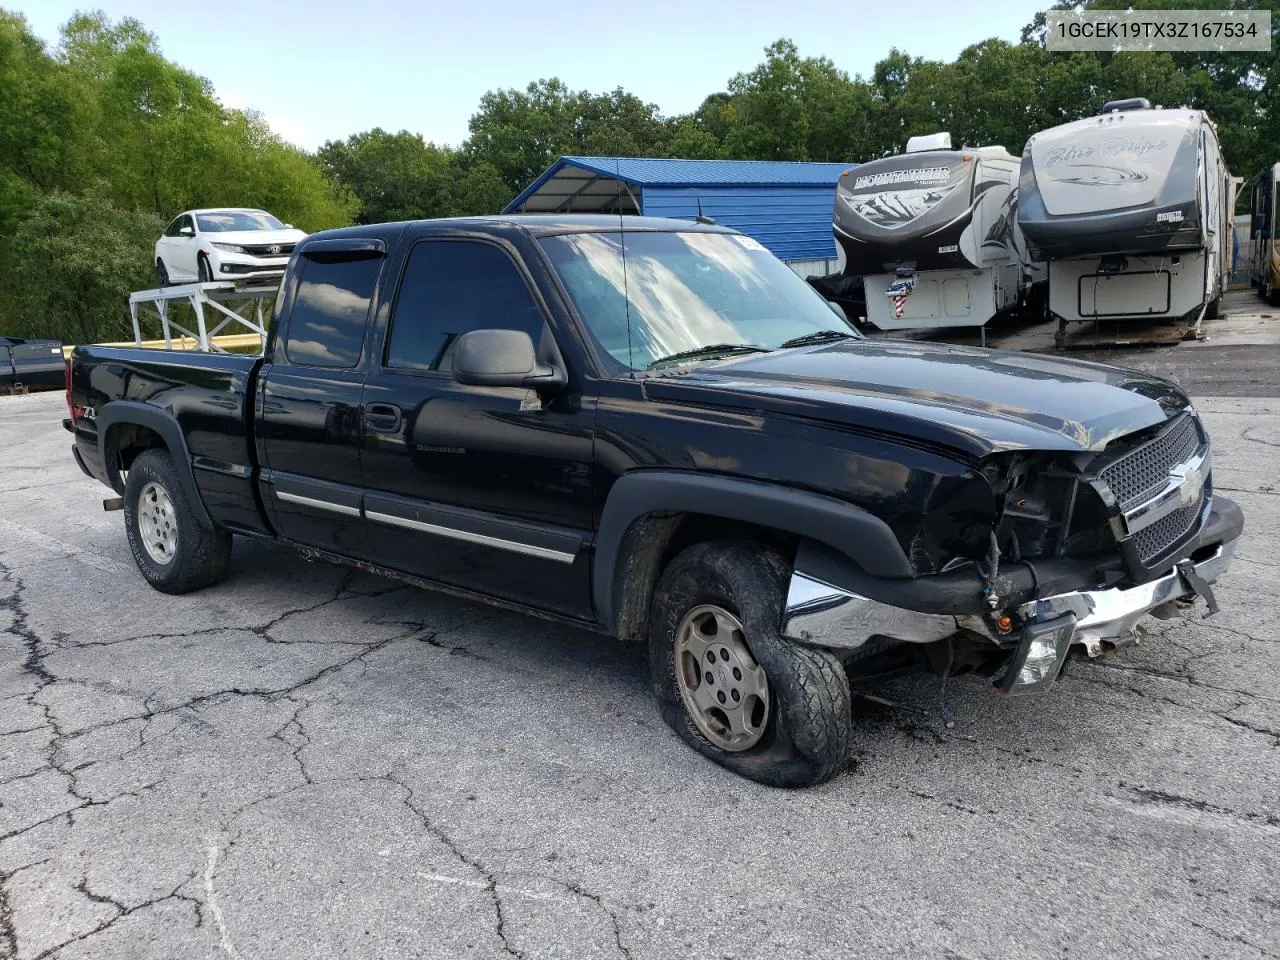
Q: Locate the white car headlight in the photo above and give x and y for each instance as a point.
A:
(231, 247)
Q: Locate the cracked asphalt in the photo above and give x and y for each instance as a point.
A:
(307, 762)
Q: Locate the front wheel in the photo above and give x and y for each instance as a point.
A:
(729, 684)
(204, 269)
(172, 550)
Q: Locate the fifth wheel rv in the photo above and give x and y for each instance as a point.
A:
(1264, 261)
(932, 234)
(1132, 209)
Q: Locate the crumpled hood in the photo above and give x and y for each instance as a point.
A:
(969, 399)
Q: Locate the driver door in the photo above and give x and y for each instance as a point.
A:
(484, 488)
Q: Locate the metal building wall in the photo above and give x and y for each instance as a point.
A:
(793, 222)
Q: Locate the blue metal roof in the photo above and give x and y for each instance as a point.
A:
(786, 206)
(793, 223)
(654, 172)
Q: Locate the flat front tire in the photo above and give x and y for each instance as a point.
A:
(174, 553)
(726, 681)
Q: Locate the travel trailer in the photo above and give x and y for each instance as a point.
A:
(933, 236)
(1264, 247)
(1132, 210)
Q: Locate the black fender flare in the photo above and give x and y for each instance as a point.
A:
(846, 527)
(165, 425)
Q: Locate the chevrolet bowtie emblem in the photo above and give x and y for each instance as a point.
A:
(1190, 481)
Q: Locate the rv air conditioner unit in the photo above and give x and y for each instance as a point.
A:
(933, 141)
(1133, 103)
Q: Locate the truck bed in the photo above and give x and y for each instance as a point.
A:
(209, 397)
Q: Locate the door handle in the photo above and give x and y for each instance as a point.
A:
(382, 417)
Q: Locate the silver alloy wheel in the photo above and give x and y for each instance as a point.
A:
(723, 688)
(157, 523)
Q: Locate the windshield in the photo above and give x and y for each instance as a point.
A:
(686, 291)
(225, 221)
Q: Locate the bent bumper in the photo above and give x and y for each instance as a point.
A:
(1109, 616)
(826, 614)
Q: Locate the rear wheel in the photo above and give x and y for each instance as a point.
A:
(204, 269)
(729, 684)
(162, 273)
(174, 553)
(1214, 309)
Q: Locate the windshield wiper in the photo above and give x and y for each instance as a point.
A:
(709, 351)
(820, 336)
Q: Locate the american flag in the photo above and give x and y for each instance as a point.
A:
(898, 292)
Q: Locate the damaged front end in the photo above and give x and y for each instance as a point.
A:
(1076, 549)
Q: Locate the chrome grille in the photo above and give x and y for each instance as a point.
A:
(1135, 475)
(1154, 540)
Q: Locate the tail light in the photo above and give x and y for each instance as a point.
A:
(74, 410)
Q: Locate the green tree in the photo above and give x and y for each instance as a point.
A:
(106, 120)
(395, 176)
(521, 132)
(791, 108)
(74, 262)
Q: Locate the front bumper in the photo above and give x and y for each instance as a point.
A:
(1110, 616)
(822, 613)
(240, 266)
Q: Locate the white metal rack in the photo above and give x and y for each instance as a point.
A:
(238, 303)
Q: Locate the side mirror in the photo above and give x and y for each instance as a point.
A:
(503, 358)
(186, 231)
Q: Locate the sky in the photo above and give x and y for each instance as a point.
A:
(321, 70)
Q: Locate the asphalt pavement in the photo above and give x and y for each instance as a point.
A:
(307, 762)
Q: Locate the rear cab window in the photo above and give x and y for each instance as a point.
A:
(329, 316)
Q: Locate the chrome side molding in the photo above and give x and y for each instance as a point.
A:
(315, 504)
(515, 546)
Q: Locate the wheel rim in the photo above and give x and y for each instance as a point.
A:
(723, 688)
(157, 523)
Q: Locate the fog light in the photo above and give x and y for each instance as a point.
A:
(1036, 663)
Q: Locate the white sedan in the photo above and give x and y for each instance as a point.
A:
(224, 244)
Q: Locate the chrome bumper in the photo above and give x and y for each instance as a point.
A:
(1109, 616)
(820, 614)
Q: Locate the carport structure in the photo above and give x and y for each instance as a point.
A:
(786, 206)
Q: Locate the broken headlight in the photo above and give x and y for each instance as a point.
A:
(1036, 663)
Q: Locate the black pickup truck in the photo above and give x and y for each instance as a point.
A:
(663, 433)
